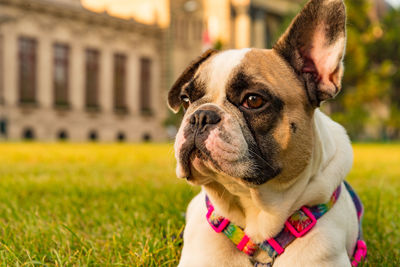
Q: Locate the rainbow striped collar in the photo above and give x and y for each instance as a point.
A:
(297, 225)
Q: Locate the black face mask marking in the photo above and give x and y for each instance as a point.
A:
(195, 136)
(260, 123)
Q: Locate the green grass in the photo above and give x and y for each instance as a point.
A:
(121, 205)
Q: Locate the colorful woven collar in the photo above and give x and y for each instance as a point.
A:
(297, 225)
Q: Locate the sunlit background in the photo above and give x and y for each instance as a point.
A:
(99, 70)
(74, 73)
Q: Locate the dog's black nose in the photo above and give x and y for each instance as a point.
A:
(201, 118)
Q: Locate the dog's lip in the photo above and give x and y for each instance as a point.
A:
(186, 161)
(194, 152)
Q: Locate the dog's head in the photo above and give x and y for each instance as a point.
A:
(249, 112)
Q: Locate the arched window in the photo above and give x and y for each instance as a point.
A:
(60, 74)
(120, 82)
(146, 137)
(28, 134)
(121, 137)
(145, 86)
(92, 79)
(62, 135)
(3, 127)
(93, 136)
(27, 69)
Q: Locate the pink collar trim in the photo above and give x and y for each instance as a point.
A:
(296, 226)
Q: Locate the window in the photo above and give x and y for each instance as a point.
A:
(62, 135)
(28, 134)
(145, 85)
(3, 127)
(146, 137)
(27, 70)
(93, 136)
(60, 74)
(120, 82)
(92, 79)
(121, 137)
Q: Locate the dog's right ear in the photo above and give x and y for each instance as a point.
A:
(174, 99)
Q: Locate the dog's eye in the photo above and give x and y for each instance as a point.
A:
(185, 101)
(253, 102)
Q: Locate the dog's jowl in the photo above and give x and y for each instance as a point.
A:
(271, 165)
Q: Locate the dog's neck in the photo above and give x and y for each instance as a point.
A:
(262, 211)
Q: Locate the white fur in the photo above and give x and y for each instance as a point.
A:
(179, 141)
(267, 207)
(221, 67)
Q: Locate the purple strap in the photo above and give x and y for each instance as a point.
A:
(360, 250)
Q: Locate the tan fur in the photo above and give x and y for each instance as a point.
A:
(296, 148)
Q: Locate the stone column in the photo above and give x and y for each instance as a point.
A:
(259, 29)
(132, 83)
(158, 101)
(10, 64)
(44, 72)
(1, 73)
(242, 26)
(106, 88)
(77, 76)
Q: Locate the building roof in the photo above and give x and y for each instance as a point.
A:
(75, 11)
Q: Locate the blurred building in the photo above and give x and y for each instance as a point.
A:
(98, 71)
(199, 24)
(68, 73)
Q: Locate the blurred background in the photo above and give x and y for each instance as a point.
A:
(99, 70)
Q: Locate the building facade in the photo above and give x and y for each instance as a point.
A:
(196, 25)
(68, 73)
(257, 23)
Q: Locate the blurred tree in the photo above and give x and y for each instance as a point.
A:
(370, 97)
(386, 51)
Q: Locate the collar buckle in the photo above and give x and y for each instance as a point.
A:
(301, 222)
(222, 223)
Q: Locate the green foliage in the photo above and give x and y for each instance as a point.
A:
(371, 83)
(370, 97)
(173, 119)
(218, 45)
(122, 205)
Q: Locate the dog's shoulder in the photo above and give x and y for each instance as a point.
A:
(204, 247)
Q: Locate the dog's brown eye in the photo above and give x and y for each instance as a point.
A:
(185, 101)
(253, 102)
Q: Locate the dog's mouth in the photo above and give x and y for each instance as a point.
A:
(203, 156)
(195, 162)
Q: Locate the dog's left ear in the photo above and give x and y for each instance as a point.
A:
(314, 46)
(174, 101)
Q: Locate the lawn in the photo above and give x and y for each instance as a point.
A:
(121, 205)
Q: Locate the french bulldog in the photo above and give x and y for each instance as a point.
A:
(253, 137)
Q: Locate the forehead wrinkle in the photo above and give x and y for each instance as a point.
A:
(219, 72)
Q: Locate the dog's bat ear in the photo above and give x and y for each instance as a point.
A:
(314, 45)
(174, 100)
